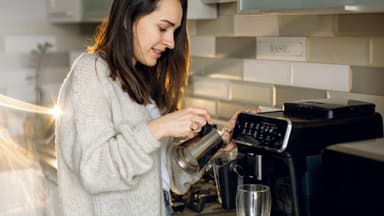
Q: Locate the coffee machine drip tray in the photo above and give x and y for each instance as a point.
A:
(306, 128)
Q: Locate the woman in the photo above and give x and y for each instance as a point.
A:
(119, 107)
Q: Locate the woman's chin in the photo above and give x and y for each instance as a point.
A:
(150, 63)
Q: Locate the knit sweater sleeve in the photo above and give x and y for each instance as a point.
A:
(106, 157)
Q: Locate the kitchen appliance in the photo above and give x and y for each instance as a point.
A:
(228, 171)
(353, 176)
(333, 108)
(283, 148)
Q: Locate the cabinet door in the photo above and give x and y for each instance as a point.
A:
(310, 6)
(64, 10)
(95, 10)
(269, 5)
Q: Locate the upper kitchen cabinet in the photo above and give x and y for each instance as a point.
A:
(199, 10)
(217, 1)
(67, 11)
(310, 6)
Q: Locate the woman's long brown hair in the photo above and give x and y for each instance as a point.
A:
(165, 82)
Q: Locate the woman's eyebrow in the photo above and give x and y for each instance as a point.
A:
(169, 22)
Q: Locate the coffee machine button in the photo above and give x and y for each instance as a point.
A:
(255, 134)
(268, 138)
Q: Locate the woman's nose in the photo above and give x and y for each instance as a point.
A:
(168, 41)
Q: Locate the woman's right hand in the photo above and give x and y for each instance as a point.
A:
(183, 123)
(228, 128)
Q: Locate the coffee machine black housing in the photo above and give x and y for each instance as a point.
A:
(283, 150)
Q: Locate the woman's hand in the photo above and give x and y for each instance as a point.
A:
(183, 123)
(228, 128)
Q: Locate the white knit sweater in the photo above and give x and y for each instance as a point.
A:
(108, 160)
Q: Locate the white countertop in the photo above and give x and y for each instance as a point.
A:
(370, 148)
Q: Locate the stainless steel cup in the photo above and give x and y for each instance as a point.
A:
(194, 154)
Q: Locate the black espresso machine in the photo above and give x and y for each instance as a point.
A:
(283, 148)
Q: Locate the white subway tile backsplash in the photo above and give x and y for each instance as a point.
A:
(207, 104)
(199, 10)
(277, 72)
(223, 25)
(252, 92)
(236, 47)
(282, 48)
(17, 84)
(50, 92)
(53, 74)
(377, 46)
(248, 25)
(55, 59)
(192, 28)
(308, 25)
(377, 100)
(73, 55)
(2, 48)
(339, 50)
(322, 76)
(361, 76)
(15, 60)
(25, 44)
(290, 93)
(22, 10)
(223, 68)
(208, 87)
(360, 24)
(197, 65)
(203, 45)
(226, 109)
(220, 123)
(269, 109)
(227, 9)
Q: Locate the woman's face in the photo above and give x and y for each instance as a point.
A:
(153, 33)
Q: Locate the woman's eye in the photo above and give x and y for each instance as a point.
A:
(163, 29)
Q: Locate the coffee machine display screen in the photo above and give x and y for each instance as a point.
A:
(258, 130)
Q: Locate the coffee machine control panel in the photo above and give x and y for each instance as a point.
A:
(262, 131)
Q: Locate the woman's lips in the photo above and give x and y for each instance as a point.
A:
(157, 53)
